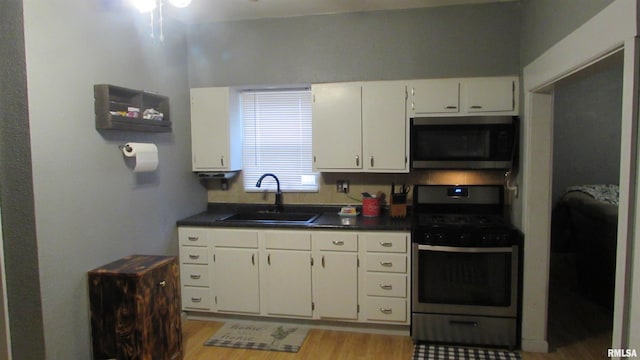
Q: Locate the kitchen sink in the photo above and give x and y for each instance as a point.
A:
(271, 217)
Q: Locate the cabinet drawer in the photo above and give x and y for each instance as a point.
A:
(336, 241)
(193, 255)
(287, 240)
(196, 298)
(395, 243)
(387, 263)
(386, 309)
(394, 285)
(192, 236)
(194, 275)
(235, 238)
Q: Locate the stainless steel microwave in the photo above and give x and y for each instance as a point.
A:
(468, 142)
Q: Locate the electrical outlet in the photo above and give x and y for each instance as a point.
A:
(342, 186)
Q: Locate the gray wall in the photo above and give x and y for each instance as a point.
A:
(587, 123)
(90, 208)
(16, 191)
(454, 41)
(545, 22)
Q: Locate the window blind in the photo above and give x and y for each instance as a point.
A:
(277, 139)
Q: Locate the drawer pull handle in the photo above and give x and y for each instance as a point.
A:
(450, 107)
(163, 283)
(386, 244)
(386, 287)
(386, 310)
(193, 238)
(386, 263)
(194, 257)
(195, 276)
(196, 299)
(463, 323)
(476, 107)
(338, 242)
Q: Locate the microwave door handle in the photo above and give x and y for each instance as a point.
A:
(506, 249)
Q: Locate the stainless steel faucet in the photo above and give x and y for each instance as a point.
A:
(278, 203)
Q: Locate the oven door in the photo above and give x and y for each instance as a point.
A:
(462, 280)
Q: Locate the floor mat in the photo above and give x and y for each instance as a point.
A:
(441, 352)
(259, 336)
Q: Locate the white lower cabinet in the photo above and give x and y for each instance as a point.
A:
(236, 286)
(386, 277)
(194, 269)
(337, 275)
(287, 273)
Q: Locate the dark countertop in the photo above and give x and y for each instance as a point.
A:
(328, 219)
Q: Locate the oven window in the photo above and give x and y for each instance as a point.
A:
(464, 278)
(446, 142)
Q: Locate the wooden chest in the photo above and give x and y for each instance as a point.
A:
(135, 309)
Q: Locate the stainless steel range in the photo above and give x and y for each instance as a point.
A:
(465, 266)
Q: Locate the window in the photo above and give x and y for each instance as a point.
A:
(277, 139)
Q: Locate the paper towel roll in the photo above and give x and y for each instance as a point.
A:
(146, 156)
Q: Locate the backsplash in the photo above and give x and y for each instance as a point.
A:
(359, 182)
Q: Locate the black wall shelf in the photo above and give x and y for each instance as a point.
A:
(119, 108)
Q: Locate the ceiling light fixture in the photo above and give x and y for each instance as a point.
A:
(150, 5)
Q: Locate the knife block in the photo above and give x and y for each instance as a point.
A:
(398, 206)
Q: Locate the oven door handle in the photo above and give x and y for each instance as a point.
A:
(507, 249)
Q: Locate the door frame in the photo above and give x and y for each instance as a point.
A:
(613, 29)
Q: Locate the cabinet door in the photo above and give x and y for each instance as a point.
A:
(235, 279)
(384, 130)
(160, 289)
(336, 286)
(434, 96)
(288, 279)
(337, 126)
(489, 94)
(210, 128)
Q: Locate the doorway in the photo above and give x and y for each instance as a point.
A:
(611, 30)
(585, 177)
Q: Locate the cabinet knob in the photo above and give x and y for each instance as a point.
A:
(196, 299)
(253, 259)
(163, 283)
(386, 286)
(385, 310)
(475, 107)
(268, 259)
(386, 263)
(222, 160)
(357, 160)
(451, 107)
(338, 242)
(193, 238)
(371, 161)
(194, 257)
(322, 260)
(195, 276)
(386, 243)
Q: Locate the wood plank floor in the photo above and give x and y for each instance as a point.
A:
(578, 329)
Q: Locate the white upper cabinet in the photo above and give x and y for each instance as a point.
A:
(384, 126)
(337, 127)
(483, 95)
(434, 96)
(216, 130)
(360, 127)
(463, 96)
